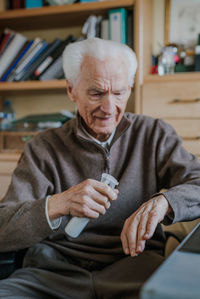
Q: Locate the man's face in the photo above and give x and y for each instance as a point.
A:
(101, 95)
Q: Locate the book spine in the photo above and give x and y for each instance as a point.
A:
(22, 66)
(129, 31)
(22, 76)
(14, 47)
(46, 59)
(49, 60)
(13, 65)
(55, 71)
(6, 41)
(117, 25)
(104, 29)
(40, 58)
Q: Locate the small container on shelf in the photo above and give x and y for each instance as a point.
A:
(8, 116)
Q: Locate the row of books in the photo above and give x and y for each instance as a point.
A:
(22, 59)
(117, 27)
(18, 4)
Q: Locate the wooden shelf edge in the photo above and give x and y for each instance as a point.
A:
(60, 9)
(10, 156)
(32, 85)
(190, 76)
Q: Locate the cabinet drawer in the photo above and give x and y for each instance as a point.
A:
(186, 128)
(14, 141)
(7, 167)
(171, 99)
(189, 130)
(192, 146)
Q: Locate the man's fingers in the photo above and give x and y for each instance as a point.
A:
(142, 227)
(152, 222)
(79, 210)
(125, 245)
(106, 190)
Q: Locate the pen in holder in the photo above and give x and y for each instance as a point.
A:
(76, 224)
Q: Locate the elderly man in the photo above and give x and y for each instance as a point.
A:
(59, 174)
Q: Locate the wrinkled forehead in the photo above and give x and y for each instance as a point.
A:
(111, 67)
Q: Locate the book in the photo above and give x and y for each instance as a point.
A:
(3, 5)
(33, 3)
(51, 47)
(52, 57)
(11, 51)
(16, 60)
(117, 24)
(98, 26)
(43, 121)
(41, 47)
(129, 33)
(84, 1)
(104, 29)
(55, 71)
(8, 36)
(17, 4)
(24, 59)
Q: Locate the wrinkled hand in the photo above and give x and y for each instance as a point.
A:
(90, 199)
(141, 225)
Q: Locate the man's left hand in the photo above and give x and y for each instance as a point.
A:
(141, 225)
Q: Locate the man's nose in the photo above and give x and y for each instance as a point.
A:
(108, 104)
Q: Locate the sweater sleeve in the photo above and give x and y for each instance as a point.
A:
(22, 211)
(178, 172)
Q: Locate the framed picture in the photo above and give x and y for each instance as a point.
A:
(182, 24)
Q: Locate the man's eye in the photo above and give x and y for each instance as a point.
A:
(96, 94)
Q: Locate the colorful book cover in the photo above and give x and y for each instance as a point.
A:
(118, 25)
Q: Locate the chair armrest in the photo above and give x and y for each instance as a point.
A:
(10, 261)
(7, 263)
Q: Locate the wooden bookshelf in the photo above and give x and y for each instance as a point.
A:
(7, 88)
(58, 16)
(189, 76)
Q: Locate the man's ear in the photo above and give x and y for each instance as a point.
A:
(70, 91)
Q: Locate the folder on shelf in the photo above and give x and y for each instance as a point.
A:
(117, 25)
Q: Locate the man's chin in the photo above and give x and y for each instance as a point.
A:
(103, 133)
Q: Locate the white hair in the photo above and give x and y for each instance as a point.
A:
(100, 49)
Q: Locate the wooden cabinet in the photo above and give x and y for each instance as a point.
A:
(174, 98)
(176, 101)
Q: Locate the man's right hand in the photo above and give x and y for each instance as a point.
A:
(90, 199)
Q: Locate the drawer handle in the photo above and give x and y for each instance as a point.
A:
(185, 101)
(192, 138)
